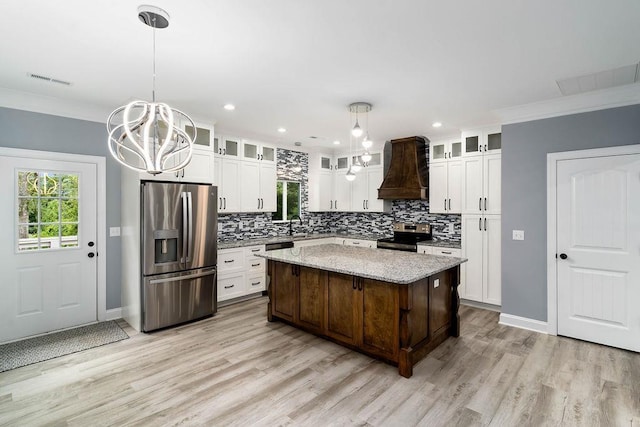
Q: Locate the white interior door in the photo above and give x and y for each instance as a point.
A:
(49, 280)
(598, 229)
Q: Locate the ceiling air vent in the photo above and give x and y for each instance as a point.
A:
(602, 80)
(48, 79)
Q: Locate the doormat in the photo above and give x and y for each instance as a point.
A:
(38, 349)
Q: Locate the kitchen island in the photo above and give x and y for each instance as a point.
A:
(392, 305)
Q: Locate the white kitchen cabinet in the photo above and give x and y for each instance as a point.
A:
(481, 184)
(442, 151)
(204, 136)
(364, 190)
(438, 250)
(478, 142)
(480, 276)
(445, 187)
(259, 186)
(240, 272)
(231, 285)
(229, 185)
(228, 147)
(253, 151)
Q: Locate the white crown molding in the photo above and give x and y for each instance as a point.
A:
(523, 323)
(590, 101)
(27, 101)
(36, 103)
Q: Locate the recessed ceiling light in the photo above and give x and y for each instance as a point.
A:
(229, 107)
(436, 124)
(336, 142)
(282, 130)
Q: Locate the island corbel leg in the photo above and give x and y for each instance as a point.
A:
(454, 330)
(405, 362)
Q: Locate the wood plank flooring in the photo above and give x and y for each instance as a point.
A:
(238, 369)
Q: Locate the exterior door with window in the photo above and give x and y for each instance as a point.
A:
(47, 246)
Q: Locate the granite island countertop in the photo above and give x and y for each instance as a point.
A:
(388, 266)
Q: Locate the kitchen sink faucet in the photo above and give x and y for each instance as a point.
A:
(291, 223)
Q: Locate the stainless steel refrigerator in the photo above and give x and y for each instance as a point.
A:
(179, 233)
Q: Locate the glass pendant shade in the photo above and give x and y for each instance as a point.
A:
(366, 142)
(357, 130)
(356, 165)
(366, 157)
(350, 175)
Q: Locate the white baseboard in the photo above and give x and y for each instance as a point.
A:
(523, 323)
(114, 313)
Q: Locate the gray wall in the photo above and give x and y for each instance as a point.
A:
(524, 194)
(34, 131)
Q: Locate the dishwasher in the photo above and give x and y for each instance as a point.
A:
(273, 247)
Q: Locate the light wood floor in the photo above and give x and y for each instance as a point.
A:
(238, 369)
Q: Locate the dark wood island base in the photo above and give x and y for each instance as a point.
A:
(397, 323)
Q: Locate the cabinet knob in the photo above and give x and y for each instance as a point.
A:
(563, 256)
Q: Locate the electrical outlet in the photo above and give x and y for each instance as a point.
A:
(114, 231)
(518, 235)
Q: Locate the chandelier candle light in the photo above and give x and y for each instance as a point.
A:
(146, 136)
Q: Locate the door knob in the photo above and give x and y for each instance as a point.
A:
(91, 254)
(90, 244)
(563, 256)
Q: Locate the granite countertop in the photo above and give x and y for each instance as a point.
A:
(441, 244)
(285, 238)
(394, 266)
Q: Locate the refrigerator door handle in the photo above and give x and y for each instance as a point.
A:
(185, 237)
(179, 278)
(189, 227)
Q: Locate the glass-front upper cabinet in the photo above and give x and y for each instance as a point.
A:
(478, 142)
(227, 146)
(325, 162)
(204, 136)
(445, 150)
(257, 151)
(342, 162)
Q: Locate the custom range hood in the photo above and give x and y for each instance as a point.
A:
(407, 175)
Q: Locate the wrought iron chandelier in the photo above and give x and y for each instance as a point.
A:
(149, 136)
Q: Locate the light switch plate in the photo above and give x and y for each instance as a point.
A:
(114, 231)
(518, 234)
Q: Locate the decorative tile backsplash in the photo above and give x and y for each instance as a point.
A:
(257, 225)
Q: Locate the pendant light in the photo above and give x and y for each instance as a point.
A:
(366, 157)
(350, 175)
(148, 136)
(356, 166)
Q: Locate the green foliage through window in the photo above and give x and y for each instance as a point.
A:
(288, 200)
(47, 210)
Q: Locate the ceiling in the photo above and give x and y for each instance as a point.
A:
(297, 64)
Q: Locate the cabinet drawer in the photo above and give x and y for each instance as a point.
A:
(255, 265)
(436, 250)
(249, 251)
(230, 259)
(447, 252)
(231, 286)
(256, 283)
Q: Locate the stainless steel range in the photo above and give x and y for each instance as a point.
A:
(406, 237)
